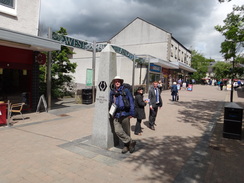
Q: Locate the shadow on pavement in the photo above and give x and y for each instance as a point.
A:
(200, 113)
(240, 92)
(164, 157)
(176, 158)
(226, 162)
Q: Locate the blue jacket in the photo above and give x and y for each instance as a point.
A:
(174, 88)
(116, 97)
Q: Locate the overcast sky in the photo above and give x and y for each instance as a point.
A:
(191, 22)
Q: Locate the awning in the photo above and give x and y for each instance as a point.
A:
(25, 41)
(184, 66)
(164, 64)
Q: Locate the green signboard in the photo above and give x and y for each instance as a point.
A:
(89, 77)
(68, 41)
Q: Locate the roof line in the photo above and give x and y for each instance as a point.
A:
(154, 26)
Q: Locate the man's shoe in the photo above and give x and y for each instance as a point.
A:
(132, 146)
(125, 150)
(152, 127)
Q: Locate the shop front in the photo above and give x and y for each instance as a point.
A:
(20, 57)
(155, 73)
(164, 71)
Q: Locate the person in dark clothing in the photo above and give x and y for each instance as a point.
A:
(174, 91)
(154, 103)
(139, 109)
(221, 84)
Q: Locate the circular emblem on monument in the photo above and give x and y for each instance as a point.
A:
(102, 86)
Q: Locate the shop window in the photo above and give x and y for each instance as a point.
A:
(7, 3)
(8, 7)
(154, 77)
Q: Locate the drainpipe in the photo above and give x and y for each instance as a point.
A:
(49, 65)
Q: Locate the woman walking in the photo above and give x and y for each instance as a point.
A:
(139, 109)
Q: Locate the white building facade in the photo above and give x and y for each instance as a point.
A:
(164, 58)
(20, 18)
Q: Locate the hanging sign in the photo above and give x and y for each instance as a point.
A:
(69, 41)
(89, 77)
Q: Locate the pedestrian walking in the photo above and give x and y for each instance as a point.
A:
(122, 102)
(221, 84)
(139, 110)
(154, 104)
(174, 91)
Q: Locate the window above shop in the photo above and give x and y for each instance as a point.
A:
(8, 7)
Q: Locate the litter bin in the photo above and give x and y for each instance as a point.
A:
(86, 96)
(232, 121)
(3, 115)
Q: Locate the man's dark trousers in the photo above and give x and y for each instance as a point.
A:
(153, 115)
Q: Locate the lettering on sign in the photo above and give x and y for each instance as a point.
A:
(69, 41)
(155, 68)
(101, 100)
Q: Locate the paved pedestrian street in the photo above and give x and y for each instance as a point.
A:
(186, 147)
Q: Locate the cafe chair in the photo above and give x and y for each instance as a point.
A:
(16, 108)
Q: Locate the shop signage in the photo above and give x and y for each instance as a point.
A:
(68, 41)
(155, 68)
(40, 58)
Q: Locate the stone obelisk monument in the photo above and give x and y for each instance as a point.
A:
(102, 134)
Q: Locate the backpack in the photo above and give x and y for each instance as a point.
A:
(128, 86)
(125, 100)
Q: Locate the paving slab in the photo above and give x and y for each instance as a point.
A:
(187, 145)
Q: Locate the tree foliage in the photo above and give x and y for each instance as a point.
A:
(200, 63)
(232, 47)
(233, 31)
(61, 68)
(221, 70)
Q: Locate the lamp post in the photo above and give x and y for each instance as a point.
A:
(232, 80)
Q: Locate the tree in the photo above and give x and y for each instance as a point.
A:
(240, 60)
(200, 63)
(233, 31)
(61, 68)
(221, 70)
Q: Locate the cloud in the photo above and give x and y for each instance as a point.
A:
(191, 22)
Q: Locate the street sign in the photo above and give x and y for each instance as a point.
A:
(69, 41)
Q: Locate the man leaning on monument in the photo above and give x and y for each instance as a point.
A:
(122, 109)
